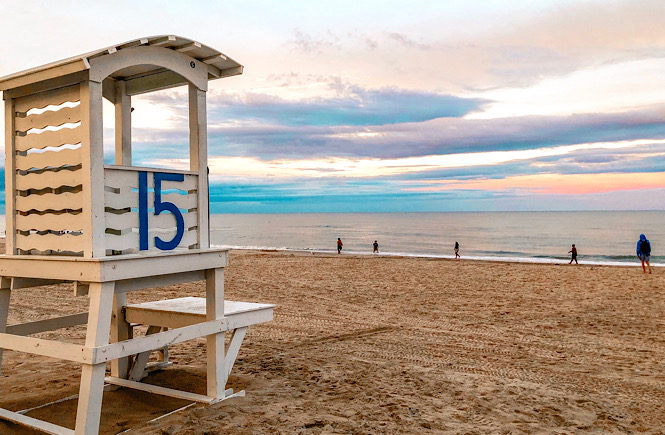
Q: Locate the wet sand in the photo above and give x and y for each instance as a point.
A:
(378, 344)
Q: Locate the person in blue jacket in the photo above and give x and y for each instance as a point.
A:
(643, 251)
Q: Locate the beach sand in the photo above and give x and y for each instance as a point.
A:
(379, 344)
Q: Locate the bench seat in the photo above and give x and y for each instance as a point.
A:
(180, 312)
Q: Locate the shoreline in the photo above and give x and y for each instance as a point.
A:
(487, 258)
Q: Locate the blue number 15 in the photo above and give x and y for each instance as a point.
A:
(159, 207)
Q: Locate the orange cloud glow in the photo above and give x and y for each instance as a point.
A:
(555, 183)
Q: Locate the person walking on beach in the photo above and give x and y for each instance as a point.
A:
(573, 254)
(339, 245)
(457, 251)
(643, 251)
(375, 247)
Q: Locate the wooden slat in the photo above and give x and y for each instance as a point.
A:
(64, 242)
(53, 159)
(49, 118)
(131, 240)
(162, 221)
(48, 324)
(129, 198)
(40, 141)
(155, 389)
(43, 426)
(10, 177)
(118, 179)
(50, 201)
(43, 99)
(50, 221)
(51, 179)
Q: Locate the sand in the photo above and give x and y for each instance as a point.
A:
(379, 344)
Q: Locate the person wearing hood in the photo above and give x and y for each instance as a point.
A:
(643, 251)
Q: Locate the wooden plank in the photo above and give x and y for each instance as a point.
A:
(130, 198)
(48, 348)
(154, 82)
(234, 347)
(92, 150)
(119, 332)
(75, 66)
(37, 326)
(128, 285)
(52, 159)
(20, 282)
(215, 361)
(112, 268)
(123, 178)
(163, 391)
(52, 179)
(49, 98)
(141, 360)
(198, 157)
(50, 201)
(34, 423)
(164, 41)
(109, 352)
(131, 240)
(58, 243)
(88, 411)
(188, 47)
(5, 295)
(161, 221)
(10, 177)
(53, 118)
(47, 85)
(123, 125)
(50, 221)
(182, 319)
(64, 136)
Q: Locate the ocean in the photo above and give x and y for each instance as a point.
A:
(601, 237)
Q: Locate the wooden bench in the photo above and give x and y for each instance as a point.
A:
(167, 314)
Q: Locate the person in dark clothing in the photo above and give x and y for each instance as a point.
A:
(375, 247)
(643, 251)
(573, 254)
(339, 245)
(457, 251)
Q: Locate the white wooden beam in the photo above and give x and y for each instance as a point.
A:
(216, 372)
(198, 157)
(10, 178)
(18, 282)
(119, 332)
(188, 47)
(51, 324)
(160, 390)
(141, 359)
(5, 295)
(49, 348)
(123, 125)
(91, 391)
(234, 347)
(34, 423)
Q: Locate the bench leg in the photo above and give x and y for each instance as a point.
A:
(216, 372)
(119, 332)
(91, 390)
(5, 293)
(141, 359)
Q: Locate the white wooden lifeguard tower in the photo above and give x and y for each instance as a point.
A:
(113, 229)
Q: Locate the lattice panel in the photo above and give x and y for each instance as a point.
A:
(48, 179)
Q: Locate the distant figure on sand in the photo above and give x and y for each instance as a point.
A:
(375, 245)
(643, 251)
(339, 245)
(573, 254)
(457, 251)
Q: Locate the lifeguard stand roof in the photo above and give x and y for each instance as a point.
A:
(151, 77)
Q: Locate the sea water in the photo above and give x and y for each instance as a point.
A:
(601, 237)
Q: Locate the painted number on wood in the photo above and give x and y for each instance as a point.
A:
(159, 206)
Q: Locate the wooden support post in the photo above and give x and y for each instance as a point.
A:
(141, 360)
(216, 372)
(234, 347)
(10, 175)
(92, 152)
(5, 293)
(119, 332)
(123, 125)
(91, 391)
(198, 157)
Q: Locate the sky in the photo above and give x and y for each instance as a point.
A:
(392, 106)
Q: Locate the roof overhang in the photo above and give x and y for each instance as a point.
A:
(144, 78)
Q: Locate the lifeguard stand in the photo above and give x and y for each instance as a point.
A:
(112, 229)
